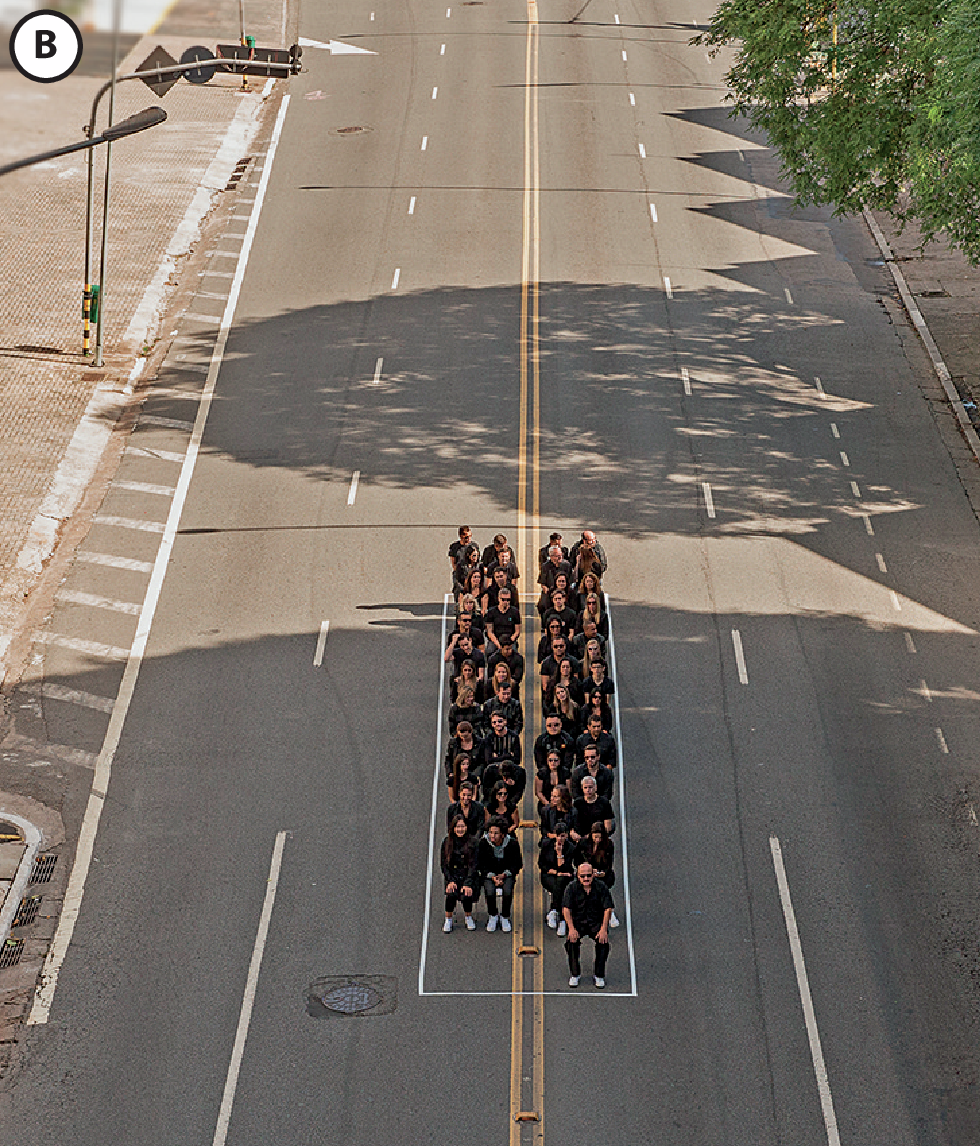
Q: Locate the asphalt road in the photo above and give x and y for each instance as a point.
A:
(792, 558)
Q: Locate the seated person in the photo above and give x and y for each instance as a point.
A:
(512, 775)
(588, 808)
(499, 744)
(458, 860)
(505, 702)
(502, 807)
(605, 742)
(551, 775)
(473, 812)
(465, 708)
(509, 655)
(499, 862)
(591, 767)
(556, 866)
(553, 738)
(560, 609)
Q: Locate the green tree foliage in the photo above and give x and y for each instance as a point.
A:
(868, 102)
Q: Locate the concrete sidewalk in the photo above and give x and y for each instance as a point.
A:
(165, 183)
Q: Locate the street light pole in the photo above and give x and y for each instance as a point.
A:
(100, 325)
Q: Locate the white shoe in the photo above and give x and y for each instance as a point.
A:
(573, 980)
(492, 923)
(613, 921)
(448, 925)
(600, 983)
(552, 919)
(470, 923)
(562, 929)
(505, 924)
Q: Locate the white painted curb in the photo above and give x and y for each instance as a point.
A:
(940, 367)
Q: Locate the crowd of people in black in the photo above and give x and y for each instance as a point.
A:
(574, 757)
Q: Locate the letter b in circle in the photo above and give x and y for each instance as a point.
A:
(46, 46)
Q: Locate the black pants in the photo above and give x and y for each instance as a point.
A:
(490, 891)
(454, 897)
(555, 885)
(575, 951)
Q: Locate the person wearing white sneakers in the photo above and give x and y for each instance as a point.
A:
(499, 861)
(587, 907)
(458, 861)
(557, 871)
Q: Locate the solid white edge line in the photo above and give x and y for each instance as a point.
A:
(429, 870)
(48, 982)
(621, 784)
(248, 1001)
(743, 673)
(355, 479)
(321, 644)
(816, 1052)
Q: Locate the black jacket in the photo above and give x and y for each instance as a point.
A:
(511, 860)
(460, 868)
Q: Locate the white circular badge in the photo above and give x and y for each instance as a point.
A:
(46, 46)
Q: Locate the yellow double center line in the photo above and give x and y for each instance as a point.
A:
(527, 1047)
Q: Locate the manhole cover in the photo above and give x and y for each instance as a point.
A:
(360, 130)
(351, 999)
(355, 995)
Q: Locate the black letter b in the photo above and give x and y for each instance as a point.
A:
(44, 47)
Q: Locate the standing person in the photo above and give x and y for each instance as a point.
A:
(458, 860)
(499, 862)
(465, 537)
(589, 538)
(509, 656)
(554, 542)
(587, 907)
(503, 622)
(557, 872)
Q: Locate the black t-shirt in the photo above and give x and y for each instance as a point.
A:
(587, 908)
(549, 666)
(493, 592)
(603, 781)
(504, 624)
(474, 655)
(475, 818)
(455, 548)
(515, 662)
(586, 814)
(606, 745)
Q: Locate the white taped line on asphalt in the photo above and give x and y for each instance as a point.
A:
(819, 385)
(667, 287)
(709, 501)
(834, 430)
(160, 455)
(71, 907)
(378, 366)
(881, 563)
(809, 1016)
(425, 142)
(925, 690)
(845, 460)
(442, 50)
(395, 277)
(868, 527)
(321, 644)
(896, 603)
(113, 562)
(686, 379)
(621, 785)
(653, 213)
(435, 93)
(643, 151)
(248, 1001)
(433, 814)
(910, 644)
(789, 297)
(354, 481)
(632, 100)
(943, 746)
(72, 596)
(743, 673)
(411, 205)
(855, 489)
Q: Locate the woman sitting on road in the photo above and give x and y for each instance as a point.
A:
(599, 850)
(558, 809)
(465, 708)
(549, 778)
(593, 612)
(502, 805)
(458, 861)
(563, 706)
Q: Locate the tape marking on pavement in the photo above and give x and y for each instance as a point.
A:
(943, 746)
(321, 644)
(354, 481)
(709, 501)
(686, 379)
(377, 370)
(71, 696)
(743, 674)
(94, 601)
(816, 1051)
(48, 982)
(113, 562)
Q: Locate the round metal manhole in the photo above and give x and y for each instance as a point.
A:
(354, 995)
(352, 999)
(357, 130)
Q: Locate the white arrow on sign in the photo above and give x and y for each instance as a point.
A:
(335, 47)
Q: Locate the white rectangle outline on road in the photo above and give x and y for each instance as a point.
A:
(433, 816)
(58, 950)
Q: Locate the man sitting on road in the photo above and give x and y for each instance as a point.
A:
(499, 862)
(587, 908)
(511, 658)
(589, 808)
(591, 767)
(604, 741)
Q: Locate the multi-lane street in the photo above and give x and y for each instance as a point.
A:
(518, 270)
